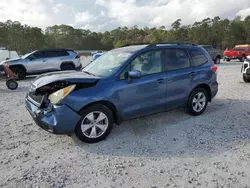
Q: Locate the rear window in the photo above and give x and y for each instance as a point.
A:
(198, 56)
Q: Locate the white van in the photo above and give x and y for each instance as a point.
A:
(6, 54)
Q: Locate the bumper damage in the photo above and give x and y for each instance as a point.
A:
(55, 119)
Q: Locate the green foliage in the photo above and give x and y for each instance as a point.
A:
(217, 32)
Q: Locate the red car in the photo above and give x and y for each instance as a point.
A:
(239, 52)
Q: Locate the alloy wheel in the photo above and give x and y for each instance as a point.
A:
(199, 102)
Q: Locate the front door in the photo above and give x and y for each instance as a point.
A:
(37, 62)
(144, 95)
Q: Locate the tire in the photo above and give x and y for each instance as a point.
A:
(228, 60)
(242, 59)
(20, 72)
(192, 109)
(246, 78)
(67, 66)
(217, 60)
(12, 84)
(92, 126)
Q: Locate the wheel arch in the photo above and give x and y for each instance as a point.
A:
(206, 87)
(109, 105)
(18, 65)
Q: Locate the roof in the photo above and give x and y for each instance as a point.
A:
(54, 49)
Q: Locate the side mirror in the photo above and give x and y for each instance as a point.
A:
(133, 74)
(31, 58)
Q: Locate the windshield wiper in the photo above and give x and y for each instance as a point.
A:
(88, 73)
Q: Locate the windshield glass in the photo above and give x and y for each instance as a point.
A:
(26, 55)
(107, 63)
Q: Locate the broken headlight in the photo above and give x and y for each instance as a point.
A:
(57, 96)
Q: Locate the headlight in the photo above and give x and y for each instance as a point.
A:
(57, 96)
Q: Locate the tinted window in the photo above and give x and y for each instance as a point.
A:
(198, 56)
(52, 54)
(63, 53)
(176, 59)
(39, 55)
(147, 63)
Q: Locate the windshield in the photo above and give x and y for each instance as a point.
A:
(107, 64)
(26, 55)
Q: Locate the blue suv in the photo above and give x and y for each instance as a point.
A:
(122, 84)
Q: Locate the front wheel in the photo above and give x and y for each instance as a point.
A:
(95, 125)
(12, 84)
(246, 78)
(197, 102)
(217, 60)
(20, 72)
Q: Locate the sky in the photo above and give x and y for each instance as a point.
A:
(102, 15)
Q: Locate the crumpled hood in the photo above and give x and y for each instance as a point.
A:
(71, 77)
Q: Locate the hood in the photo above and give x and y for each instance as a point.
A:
(70, 77)
(11, 60)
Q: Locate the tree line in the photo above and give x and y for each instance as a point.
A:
(220, 33)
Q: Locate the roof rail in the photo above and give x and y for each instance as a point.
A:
(172, 43)
(134, 44)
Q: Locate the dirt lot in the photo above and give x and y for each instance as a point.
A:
(166, 150)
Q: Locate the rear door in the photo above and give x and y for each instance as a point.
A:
(179, 74)
(54, 60)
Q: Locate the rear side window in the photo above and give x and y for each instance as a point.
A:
(198, 56)
(176, 59)
(63, 53)
(52, 54)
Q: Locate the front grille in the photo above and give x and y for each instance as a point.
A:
(37, 98)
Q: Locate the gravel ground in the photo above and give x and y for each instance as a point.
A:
(170, 149)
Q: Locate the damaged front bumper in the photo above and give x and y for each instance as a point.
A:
(55, 119)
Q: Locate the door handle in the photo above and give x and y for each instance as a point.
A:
(160, 81)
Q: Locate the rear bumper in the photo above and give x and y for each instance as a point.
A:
(79, 67)
(214, 89)
(57, 119)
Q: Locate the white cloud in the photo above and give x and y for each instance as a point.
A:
(84, 18)
(102, 15)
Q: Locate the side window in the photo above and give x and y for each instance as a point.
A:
(198, 56)
(38, 55)
(147, 63)
(63, 53)
(176, 59)
(52, 54)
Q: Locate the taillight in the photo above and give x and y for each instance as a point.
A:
(77, 57)
(214, 68)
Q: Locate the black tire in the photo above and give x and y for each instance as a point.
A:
(12, 84)
(20, 72)
(67, 66)
(217, 60)
(228, 60)
(246, 78)
(190, 106)
(94, 108)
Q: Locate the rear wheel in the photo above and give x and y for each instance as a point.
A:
(197, 102)
(67, 66)
(217, 60)
(228, 60)
(19, 71)
(95, 125)
(246, 78)
(12, 84)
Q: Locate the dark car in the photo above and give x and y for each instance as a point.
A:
(122, 84)
(216, 57)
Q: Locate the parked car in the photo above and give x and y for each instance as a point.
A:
(123, 84)
(246, 69)
(239, 52)
(215, 55)
(42, 61)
